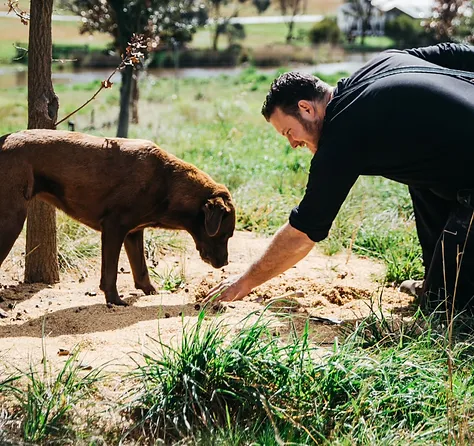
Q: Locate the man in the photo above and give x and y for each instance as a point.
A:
(406, 115)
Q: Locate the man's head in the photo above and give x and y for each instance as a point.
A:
(295, 106)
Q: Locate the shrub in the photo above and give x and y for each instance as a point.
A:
(325, 31)
(407, 32)
(196, 58)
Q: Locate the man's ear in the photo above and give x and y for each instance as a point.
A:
(306, 108)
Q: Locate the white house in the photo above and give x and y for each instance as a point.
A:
(382, 11)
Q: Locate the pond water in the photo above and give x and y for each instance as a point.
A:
(17, 76)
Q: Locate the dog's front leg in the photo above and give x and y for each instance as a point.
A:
(136, 257)
(112, 240)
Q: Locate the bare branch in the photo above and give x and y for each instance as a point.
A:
(132, 57)
(25, 52)
(22, 15)
(63, 60)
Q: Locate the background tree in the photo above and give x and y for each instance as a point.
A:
(325, 30)
(160, 21)
(452, 20)
(223, 11)
(41, 264)
(363, 11)
(290, 9)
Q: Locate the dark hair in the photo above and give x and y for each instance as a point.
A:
(289, 88)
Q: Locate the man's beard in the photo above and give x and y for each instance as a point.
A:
(312, 128)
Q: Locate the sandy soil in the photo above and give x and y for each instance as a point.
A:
(73, 312)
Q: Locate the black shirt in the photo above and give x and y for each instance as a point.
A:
(415, 128)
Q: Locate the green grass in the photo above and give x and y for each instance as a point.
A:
(47, 403)
(385, 383)
(371, 43)
(403, 382)
(256, 35)
(12, 32)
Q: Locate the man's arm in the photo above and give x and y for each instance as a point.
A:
(448, 55)
(287, 247)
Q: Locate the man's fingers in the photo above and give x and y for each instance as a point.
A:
(215, 293)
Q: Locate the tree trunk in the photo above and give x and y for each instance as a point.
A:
(124, 34)
(135, 95)
(289, 35)
(125, 91)
(217, 31)
(41, 264)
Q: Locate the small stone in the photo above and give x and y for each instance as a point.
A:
(3, 314)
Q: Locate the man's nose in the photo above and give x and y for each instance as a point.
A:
(292, 142)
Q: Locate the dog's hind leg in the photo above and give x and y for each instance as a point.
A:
(16, 187)
(136, 257)
(11, 224)
(112, 239)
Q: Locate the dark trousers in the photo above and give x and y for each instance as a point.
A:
(446, 232)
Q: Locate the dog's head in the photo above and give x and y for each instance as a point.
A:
(213, 229)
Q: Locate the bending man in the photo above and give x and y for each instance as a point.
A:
(405, 115)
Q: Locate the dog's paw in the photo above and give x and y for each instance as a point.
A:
(147, 289)
(114, 299)
(120, 303)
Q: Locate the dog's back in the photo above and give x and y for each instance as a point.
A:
(83, 174)
(86, 176)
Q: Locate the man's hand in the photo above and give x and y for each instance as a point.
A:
(228, 290)
(287, 247)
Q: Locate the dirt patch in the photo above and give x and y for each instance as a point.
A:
(73, 312)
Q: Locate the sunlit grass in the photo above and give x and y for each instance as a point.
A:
(49, 398)
(386, 383)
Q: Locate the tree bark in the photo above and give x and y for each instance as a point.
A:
(135, 95)
(124, 33)
(125, 92)
(41, 264)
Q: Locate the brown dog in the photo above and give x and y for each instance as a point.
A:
(116, 186)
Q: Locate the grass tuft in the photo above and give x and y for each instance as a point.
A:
(386, 383)
(49, 398)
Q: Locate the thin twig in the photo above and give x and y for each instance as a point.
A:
(63, 60)
(22, 15)
(132, 57)
(104, 84)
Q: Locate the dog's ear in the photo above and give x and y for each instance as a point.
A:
(214, 210)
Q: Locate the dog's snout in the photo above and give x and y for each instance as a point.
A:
(216, 261)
